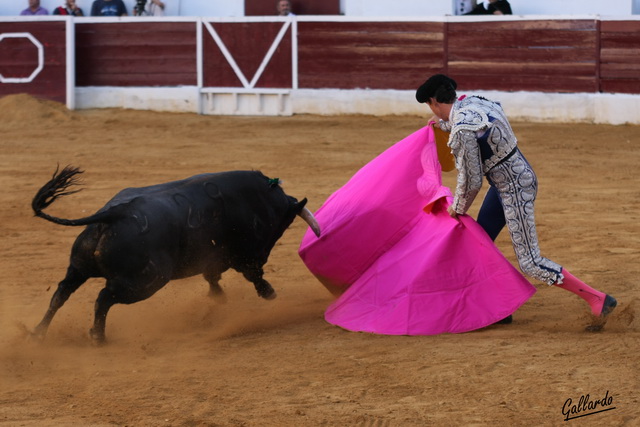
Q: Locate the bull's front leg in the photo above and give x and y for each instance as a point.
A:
(213, 275)
(264, 289)
(215, 291)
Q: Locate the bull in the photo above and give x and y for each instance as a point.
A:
(145, 237)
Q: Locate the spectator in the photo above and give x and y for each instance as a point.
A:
(496, 7)
(155, 8)
(499, 7)
(70, 8)
(463, 7)
(284, 7)
(149, 8)
(108, 8)
(34, 9)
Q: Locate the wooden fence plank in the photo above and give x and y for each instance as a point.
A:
(523, 68)
(620, 27)
(625, 55)
(560, 24)
(543, 55)
(164, 53)
(522, 39)
(539, 83)
(369, 54)
(620, 85)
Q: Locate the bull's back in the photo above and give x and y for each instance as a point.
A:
(231, 182)
(158, 190)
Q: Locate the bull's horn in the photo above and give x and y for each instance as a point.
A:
(311, 220)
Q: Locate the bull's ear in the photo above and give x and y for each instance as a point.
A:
(274, 182)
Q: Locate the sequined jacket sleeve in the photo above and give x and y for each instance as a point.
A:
(464, 147)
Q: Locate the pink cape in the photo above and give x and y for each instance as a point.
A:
(402, 265)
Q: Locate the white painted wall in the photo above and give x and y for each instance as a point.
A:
(235, 8)
(600, 108)
(397, 7)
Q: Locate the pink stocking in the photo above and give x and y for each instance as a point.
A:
(592, 296)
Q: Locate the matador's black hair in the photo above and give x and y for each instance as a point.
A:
(438, 86)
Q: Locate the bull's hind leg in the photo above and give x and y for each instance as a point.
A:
(72, 281)
(105, 300)
(264, 288)
(121, 291)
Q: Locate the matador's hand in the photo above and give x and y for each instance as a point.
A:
(452, 212)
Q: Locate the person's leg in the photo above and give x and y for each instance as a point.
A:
(517, 184)
(491, 219)
(601, 304)
(519, 213)
(491, 216)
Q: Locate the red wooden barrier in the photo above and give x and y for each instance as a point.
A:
(20, 60)
(620, 56)
(579, 55)
(248, 44)
(136, 54)
(548, 56)
(376, 55)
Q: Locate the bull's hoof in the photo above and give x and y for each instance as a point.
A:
(220, 298)
(37, 335)
(97, 338)
(269, 295)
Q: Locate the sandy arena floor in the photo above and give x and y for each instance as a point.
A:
(178, 359)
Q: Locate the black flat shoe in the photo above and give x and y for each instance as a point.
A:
(506, 321)
(609, 305)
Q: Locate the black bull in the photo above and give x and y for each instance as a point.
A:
(145, 237)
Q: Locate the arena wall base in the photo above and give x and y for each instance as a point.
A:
(600, 108)
(358, 101)
(170, 99)
(249, 102)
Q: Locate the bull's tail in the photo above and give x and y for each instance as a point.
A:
(58, 186)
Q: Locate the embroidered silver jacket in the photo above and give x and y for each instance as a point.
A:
(474, 118)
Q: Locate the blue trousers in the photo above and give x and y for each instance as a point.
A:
(491, 215)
